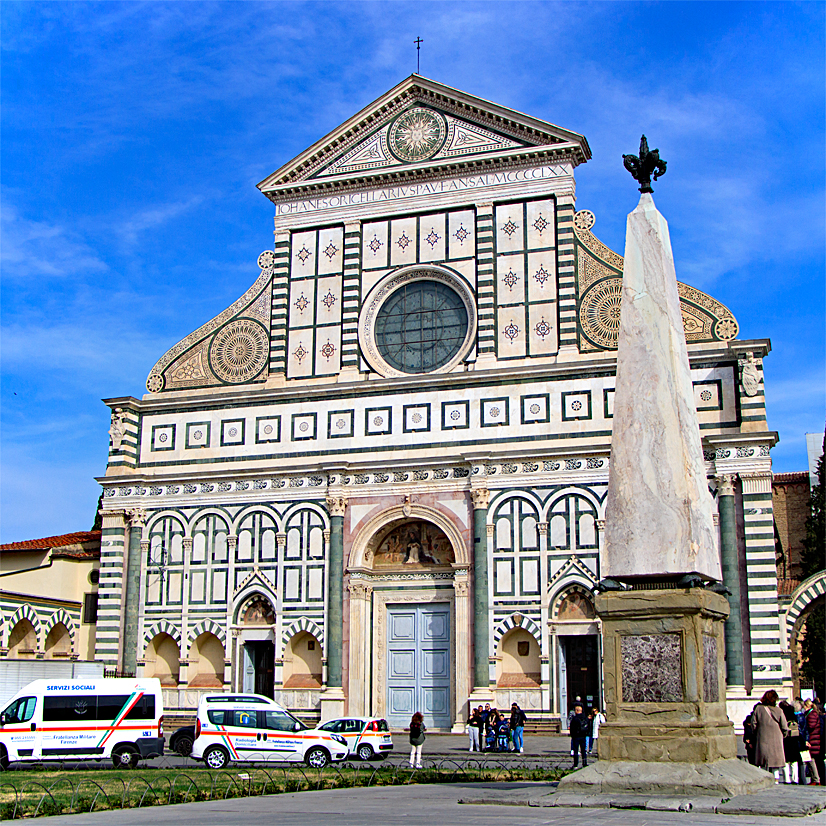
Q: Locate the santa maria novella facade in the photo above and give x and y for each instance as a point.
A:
(376, 483)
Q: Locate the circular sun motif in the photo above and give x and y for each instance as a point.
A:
(267, 429)
(599, 312)
(417, 135)
(535, 409)
(238, 352)
(155, 383)
(378, 421)
(417, 417)
(706, 395)
(726, 329)
(266, 260)
(233, 432)
(584, 219)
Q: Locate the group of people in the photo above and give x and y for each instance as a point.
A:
(488, 730)
(584, 731)
(788, 739)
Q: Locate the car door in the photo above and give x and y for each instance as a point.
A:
(242, 729)
(280, 739)
(351, 731)
(20, 729)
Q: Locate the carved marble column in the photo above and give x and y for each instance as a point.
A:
(461, 607)
(332, 698)
(131, 591)
(731, 579)
(481, 667)
(361, 595)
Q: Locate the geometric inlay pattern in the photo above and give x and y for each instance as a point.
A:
(599, 312)
(239, 351)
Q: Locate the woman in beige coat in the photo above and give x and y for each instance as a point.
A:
(769, 730)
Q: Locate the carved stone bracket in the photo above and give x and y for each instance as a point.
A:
(480, 498)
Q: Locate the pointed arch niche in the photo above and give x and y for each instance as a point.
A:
(409, 554)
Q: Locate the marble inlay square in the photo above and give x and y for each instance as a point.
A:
(711, 684)
(541, 224)
(302, 254)
(330, 250)
(197, 435)
(378, 421)
(300, 353)
(374, 247)
(542, 329)
(708, 395)
(303, 426)
(432, 238)
(576, 406)
(608, 402)
(163, 437)
(510, 279)
(503, 579)
(302, 303)
(340, 424)
(328, 301)
(403, 240)
(232, 432)
(328, 350)
(652, 670)
(455, 415)
(511, 336)
(461, 234)
(416, 417)
(540, 275)
(267, 429)
(535, 409)
(509, 225)
(495, 412)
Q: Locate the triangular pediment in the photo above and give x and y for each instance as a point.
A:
(419, 126)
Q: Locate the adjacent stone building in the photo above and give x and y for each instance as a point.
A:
(375, 484)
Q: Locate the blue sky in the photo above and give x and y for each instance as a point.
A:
(133, 135)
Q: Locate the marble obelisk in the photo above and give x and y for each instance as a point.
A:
(664, 673)
(659, 512)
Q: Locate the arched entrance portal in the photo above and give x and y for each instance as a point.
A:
(257, 620)
(409, 618)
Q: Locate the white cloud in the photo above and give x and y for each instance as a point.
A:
(154, 217)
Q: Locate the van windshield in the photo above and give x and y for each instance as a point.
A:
(20, 710)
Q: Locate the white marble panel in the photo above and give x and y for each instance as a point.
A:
(315, 584)
(503, 533)
(541, 224)
(455, 414)
(504, 578)
(543, 329)
(316, 543)
(232, 432)
(369, 279)
(495, 412)
(328, 308)
(511, 332)
(510, 279)
(268, 545)
(379, 421)
(219, 586)
(432, 241)
(402, 241)
(330, 250)
(609, 402)
(199, 547)
(197, 586)
(302, 303)
(535, 409)
(530, 575)
(293, 545)
(374, 246)
(267, 429)
(197, 434)
(174, 589)
(462, 234)
(328, 350)
(300, 353)
(303, 254)
(417, 418)
(292, 584)
(509, 227)
(304, 427)
(576, 405)
(541, 276)
(707, 395)
(467, 268)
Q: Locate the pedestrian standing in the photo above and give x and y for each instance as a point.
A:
(769, 723)
(578, 729)
(475, 726)
(518, 720)
(791, 743)
(814, 729)
(806, 760)
(417, 730)
(597, 719)
(748, 735)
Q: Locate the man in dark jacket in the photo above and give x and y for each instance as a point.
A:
(518, 720)
(579, 728)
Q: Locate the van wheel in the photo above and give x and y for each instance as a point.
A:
(184, 746)
(216, 757)
(317, 757)
(365, 752)
(125, 757)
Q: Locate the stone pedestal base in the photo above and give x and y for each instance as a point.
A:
(727, 778)
(332, 704)
(479, 697)
(665, 698)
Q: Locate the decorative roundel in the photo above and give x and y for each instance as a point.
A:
(238, 352)
(155, 383)
(726, 329)
(266, 261)
(599, 312)
(417, 135)
(584, 220)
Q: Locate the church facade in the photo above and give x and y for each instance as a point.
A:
(376, 483)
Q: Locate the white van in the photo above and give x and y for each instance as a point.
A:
(84, 719)
(249, 727)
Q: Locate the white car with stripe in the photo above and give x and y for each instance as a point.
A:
(366, 737)
(252, 728)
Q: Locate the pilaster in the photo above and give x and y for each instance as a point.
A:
(110, 588)
(731, 578)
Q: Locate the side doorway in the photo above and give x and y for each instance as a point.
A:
(259, 667)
